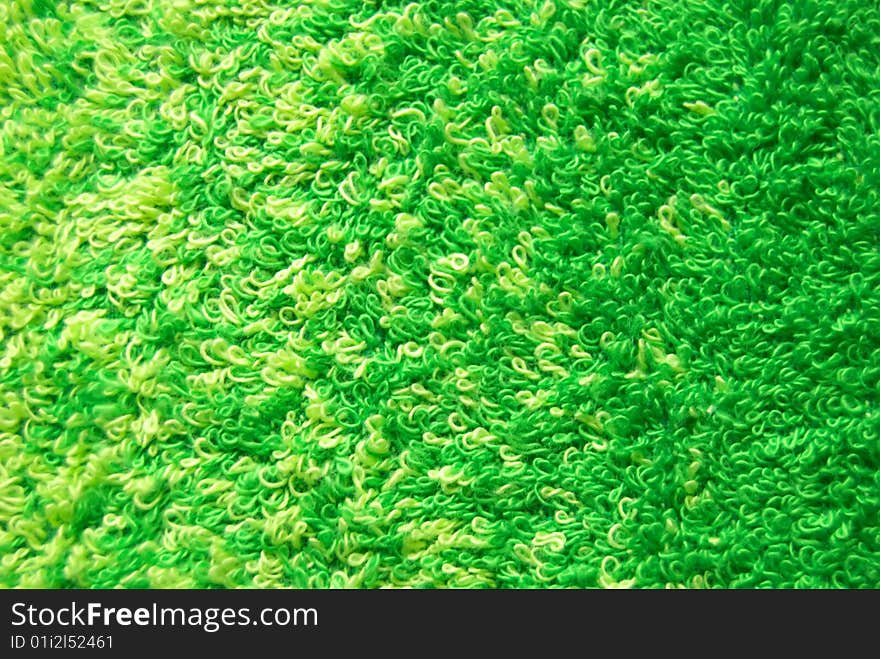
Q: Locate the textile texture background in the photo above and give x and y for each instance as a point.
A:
(474, 294)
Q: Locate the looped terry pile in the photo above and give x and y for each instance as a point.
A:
(472, 294)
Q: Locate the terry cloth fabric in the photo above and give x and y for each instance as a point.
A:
(509, 293)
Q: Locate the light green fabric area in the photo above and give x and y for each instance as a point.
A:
(471, 294)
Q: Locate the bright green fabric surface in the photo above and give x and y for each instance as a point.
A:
(472, 294)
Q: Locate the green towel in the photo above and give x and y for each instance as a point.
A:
(476, 294)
